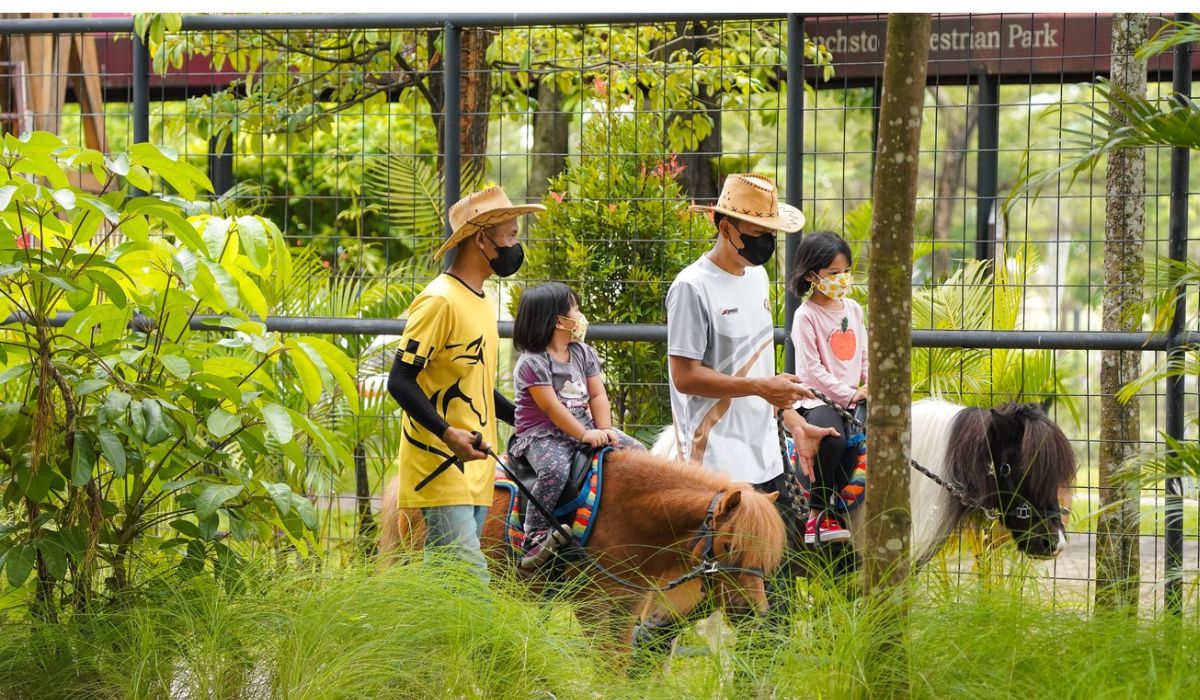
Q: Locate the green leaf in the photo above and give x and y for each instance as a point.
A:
(115, 403)
(65, 198)
(6, 195)
(225, 283)
(338, 364)
(307, 512)
(176, 365)
(18, 564)
(253, 237)
(55, 558)
(90, 386)
(139, 178)
(281, 495)
(187, 528)
(83, 459)
(222, 423)
(310, 377)
(179, 484)
(156, 428)
(278, 422)
(112, 449)
(213, 497)
(215, 234)
(250, 291)
(110, 286)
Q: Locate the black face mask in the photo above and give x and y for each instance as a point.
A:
(508, 258)
(756, 250)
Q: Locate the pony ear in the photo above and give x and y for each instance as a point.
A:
(1004, 429)
(729, 501)
(773, 496)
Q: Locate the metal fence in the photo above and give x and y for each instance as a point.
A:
(992, 81)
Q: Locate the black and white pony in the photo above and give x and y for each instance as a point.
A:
(1012, 461)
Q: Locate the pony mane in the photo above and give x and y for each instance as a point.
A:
(754, 527)
(756, 530)
(1047, 456)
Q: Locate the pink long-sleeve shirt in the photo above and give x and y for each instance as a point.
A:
(831, 350)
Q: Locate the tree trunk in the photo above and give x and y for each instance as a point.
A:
(551, 130)
(699, 177)
(475, 102)
(888, 522)
(1125, 222)
(890, 294)
(950, 177)
(362, 493)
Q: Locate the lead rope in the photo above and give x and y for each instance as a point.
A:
(798, 504)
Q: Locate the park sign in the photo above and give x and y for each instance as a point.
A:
(1045, 48)
(1041, 47)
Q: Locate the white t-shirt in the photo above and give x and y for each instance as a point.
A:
(724, 321)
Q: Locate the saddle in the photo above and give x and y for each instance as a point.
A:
(581, 461)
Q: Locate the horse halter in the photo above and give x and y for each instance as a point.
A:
(1008, 493)
(705, 570)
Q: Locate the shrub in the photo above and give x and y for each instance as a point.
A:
(128, 434)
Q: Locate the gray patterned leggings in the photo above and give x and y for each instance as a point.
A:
(550, 457)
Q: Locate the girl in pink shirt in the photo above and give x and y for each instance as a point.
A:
(831, 357)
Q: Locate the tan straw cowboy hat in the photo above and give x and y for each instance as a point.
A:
(752, 197)
(480, 210)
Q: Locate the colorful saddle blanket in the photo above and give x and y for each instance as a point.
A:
(579, 512)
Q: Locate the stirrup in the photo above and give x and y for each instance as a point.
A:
(546, 550)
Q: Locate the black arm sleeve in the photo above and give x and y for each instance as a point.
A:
(505, 409)
(402, 385)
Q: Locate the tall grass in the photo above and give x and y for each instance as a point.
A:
(416, 631)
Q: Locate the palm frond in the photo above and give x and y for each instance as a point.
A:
(1136, 122)
(410, 192)
(1186, 365)
(1168, 36)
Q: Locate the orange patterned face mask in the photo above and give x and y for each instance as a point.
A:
(836, 286)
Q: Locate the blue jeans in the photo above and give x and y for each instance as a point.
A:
(456, 530)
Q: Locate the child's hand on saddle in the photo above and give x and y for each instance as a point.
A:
(860, 394)
(594, 438)
(614, 438)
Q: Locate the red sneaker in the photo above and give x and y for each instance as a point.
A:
(822, 528)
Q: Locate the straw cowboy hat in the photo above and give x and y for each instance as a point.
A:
(480, 210)
(752, 197)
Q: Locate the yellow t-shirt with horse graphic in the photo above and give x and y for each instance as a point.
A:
(451, 335)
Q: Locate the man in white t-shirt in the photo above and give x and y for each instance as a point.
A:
(720, 343)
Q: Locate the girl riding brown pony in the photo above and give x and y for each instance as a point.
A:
(667, 538)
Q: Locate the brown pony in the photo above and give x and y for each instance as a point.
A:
(645, 533)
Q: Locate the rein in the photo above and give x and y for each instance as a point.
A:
(707, 568)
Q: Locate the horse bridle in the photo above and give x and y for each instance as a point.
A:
(705, 570)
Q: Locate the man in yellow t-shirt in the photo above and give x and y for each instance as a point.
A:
(444, 377)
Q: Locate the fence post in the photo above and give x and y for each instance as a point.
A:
(987, 165)
(1177, 246)
(220, 164)
(793, 171)
(452, 136)
(141, 93)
